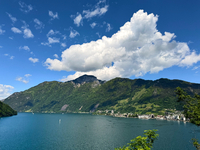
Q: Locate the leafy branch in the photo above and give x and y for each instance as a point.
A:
(142, 143)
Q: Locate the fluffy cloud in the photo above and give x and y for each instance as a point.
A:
(5, 91)
(24, 79)
(136, 49)
(16, 30)
(24, 7)
(52, 40)
(55, 55)
(189, 60)
(38, 24)
(28, 33)
(13, 19)
(25, 48)
(34, 60)
(78, 20)
(53, 16)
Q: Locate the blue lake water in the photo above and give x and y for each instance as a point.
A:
(28, 131)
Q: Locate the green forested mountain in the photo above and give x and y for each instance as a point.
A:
(87, 93)
(6, 110)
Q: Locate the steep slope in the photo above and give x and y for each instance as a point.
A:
(6, 110)
(52, 96)
(142, 96)
(87, 93)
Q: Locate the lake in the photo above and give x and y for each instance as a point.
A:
(28, 131)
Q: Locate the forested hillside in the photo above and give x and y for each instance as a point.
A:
(87, 93)
(6, 110)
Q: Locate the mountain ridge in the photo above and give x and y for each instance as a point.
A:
(87, 93)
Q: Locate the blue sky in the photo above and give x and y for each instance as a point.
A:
(59, 40)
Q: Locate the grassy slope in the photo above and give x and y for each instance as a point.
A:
(120, 94)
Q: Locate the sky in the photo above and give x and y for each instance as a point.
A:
(59, 40)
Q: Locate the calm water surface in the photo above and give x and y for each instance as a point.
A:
(28, 131)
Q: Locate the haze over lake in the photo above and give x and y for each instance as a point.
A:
(88, 132)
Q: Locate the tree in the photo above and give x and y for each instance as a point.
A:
(191, 109)
(142, 143)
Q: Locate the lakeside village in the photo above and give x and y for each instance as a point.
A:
(175, 116)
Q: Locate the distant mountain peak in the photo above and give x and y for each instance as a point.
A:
(85, 79)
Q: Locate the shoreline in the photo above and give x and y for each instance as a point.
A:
(174, 117)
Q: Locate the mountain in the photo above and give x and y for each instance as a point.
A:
(87, 93)
(6, 110)
(86, 79)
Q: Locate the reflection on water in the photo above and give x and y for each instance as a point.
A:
(88, 132)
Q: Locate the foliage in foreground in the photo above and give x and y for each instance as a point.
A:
(191, 109)
(142, 143)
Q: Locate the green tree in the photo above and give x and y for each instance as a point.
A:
(142, 143)
(191, 109)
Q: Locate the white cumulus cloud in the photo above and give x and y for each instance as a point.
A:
(25, 48)
(190, 59)
(5, 91)
(34, 60)
(63, 44)
(53, 40)
(28, 33)
(136, 49)
(16, 30)
(24, 79)
(78, 20)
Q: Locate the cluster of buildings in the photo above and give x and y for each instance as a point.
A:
(177, 115)
(172, 116)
